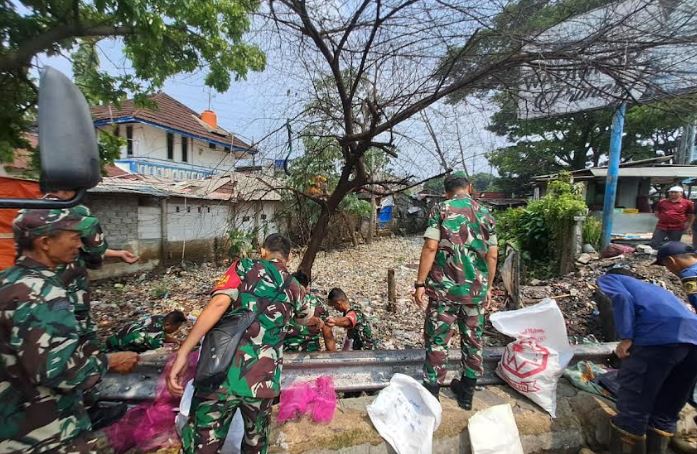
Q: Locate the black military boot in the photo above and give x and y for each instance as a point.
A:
(433, 389)
(657, 441)
(105, 415)
(464, 391)
(623, 442)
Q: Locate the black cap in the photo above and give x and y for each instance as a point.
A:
(672, 248)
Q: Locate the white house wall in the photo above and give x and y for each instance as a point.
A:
(248, 216)
(151, 142)
(149, 227)
(269, 225)
(189, 220)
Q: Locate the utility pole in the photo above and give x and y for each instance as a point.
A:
(613, 171)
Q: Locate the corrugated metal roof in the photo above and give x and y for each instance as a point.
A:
(651, 172)
(235, 187)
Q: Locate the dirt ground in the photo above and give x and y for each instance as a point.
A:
(362, 273)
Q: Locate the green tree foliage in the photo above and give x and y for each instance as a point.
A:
(161, 38)
(322, 158)
(579, 140)
(480, 182)
(435, 186)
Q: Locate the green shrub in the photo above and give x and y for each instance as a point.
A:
(592, 232)
(240, 243)
(539, 230)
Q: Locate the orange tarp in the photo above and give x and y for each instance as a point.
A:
(15, 188)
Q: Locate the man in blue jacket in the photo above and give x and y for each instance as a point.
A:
(658, 349)
(681, 260)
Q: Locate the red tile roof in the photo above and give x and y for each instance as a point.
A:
(114, 171)
(170, 114)
(22, 157)
(22, 160)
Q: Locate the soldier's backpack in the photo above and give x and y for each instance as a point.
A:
(218, 349)
(220, 344)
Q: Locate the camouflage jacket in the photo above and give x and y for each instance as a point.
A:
(148, 333)
(361, 332)
(267, 289)
(464, 230)
(299, 334)
(44, 364)
(75, 275)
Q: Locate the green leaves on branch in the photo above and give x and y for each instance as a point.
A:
(540, 230)
(592, 232)
(161, 38)
(240, 243)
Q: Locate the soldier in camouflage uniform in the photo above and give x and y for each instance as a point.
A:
(75, 276)
(301, 338)
(360, 334)
(76, 280)
(266, 288)
(457, 268)
(148, 333)
(45, 365)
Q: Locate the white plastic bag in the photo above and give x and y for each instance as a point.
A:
(233, 441)
(494, 431)
(533, 363)
(406, 415)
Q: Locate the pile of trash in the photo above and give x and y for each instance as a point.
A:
(362, 273)
(575, 292)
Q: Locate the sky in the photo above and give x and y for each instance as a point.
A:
(256, 109)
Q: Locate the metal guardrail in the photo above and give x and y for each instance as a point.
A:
(351, 371)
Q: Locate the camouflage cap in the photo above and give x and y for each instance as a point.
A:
(33, 223)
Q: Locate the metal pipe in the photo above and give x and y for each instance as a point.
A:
(43, 203)
(351, 371)
(613, 171)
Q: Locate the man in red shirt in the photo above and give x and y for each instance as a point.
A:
(675, 216)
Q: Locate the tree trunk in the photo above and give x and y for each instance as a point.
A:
(319, 230)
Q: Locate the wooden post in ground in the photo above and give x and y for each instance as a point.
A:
(373, 219)
(391, 292)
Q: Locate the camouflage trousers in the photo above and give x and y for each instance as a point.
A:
(210, 417)
(91, 442)
(438, 329)
(302, 344)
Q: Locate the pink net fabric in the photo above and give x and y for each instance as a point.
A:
(324, 405)
(150, 426)
(316, 399)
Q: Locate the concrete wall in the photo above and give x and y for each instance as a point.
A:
(118, 215)
(196, 229)
(151, 142)
(189, 220)
(631, 223)
(259, 216)
(120, 218)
